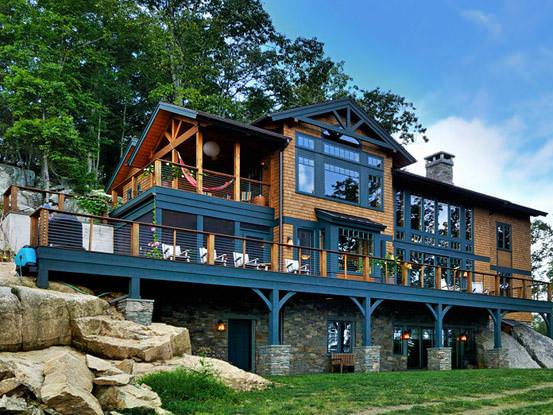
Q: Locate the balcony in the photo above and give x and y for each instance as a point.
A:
(189, 178)
(201, 253)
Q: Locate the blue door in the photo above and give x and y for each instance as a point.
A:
(240, 343)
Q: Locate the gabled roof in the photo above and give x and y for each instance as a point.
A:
(427, 185)
(382, 137)
(157, 123)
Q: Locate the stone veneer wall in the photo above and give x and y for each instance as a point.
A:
(139, 311)
(304, 321)
(439, 358)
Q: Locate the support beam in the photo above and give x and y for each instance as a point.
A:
(438, 311)
(175, 160)
(274, 303)
(497, 317)
(548, 319)
(367, 306)
(199, 162)
(134, 288)
(237, 195)
(176, 142)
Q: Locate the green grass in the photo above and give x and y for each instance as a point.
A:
(184, 392)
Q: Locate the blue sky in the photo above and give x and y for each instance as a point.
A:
(480, 74)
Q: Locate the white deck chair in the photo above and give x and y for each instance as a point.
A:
(219, 259)
(478, 287)
(293, 266)
(177, 254)
(239, 259)
(444, 285)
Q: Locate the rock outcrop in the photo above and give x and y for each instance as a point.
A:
(516, 356)
(538, 346)
(122, 339)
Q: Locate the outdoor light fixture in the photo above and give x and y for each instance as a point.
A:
(463, 338)
(406, 335)
(290, 241)
(221, 325)
(211, 149)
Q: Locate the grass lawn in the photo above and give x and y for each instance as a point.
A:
(421, 392)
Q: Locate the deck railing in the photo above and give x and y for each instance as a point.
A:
(185, 177)
(11, 195)
(160, 242)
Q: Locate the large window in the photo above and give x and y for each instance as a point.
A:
(356, 243)
(504, 236)
(429, 215)
(339, 336)
(455, 219)
(468, 224)
(339, 171)
(341, 183)
(416, 208)
(306, 175)
(443, 219)
(400, 215)
(375, 191)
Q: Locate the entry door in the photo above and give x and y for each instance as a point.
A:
(417, 353)
(240, 343)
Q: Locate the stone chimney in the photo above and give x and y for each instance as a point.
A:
(439, 166)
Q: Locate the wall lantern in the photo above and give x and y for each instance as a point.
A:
(463, 338)
(406, 335)
(211, 149)
(221, 326)
(290, 241)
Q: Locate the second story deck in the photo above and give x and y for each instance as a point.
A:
(86, 244)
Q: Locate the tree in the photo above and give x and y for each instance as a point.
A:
(542, 250)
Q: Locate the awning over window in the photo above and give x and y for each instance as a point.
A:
(341, 219)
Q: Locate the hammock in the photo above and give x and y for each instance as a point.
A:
(190, 179)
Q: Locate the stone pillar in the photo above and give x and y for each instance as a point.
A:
(137, 310)
(274, 359)
(367, 358)
(495, 359)
(439, 358)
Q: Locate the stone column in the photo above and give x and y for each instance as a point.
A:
(137, 310)
(495, 359)
(274, 359)
(367, 358)
(439, 358)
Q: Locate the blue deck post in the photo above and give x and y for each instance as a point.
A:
(367, 307)
(439, 312)
(42, 277)
(497, 317)
(134, 288)
(274, 318)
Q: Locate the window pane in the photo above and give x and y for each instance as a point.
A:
(468, 224)
(429, 216)
(347, 334)
(375, 191)
(306, 175)
(455, 218)
(374, 162)
(399, 209)
(341, 152)
(398, 343)
(416, 212)
(443, 219)
(306, 142)
(333, 336)
(341, 183)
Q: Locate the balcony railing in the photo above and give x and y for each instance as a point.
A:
(35, 198)
(160, 242)
(184, 177)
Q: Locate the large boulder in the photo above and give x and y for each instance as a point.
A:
(67, 386)
(35, 319)
(230, 375)
(139, 397)
(121, 339)
(515, 355)
(537, 345)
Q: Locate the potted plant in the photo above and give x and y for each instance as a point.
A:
(260, 200)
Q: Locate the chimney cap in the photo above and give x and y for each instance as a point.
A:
(440, 155)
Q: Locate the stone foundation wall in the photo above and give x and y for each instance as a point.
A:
(139, 311)
(274, 360)
(367, 358)
(439, 358)
(496, 359)
(304, 320)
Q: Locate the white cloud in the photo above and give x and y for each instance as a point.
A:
(485, 20)
(493, 160)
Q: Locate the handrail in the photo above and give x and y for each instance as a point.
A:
(392, 267)
(11, 195)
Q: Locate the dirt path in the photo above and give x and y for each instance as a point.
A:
(480, 411)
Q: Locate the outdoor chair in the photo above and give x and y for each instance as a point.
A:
(341, 360)
(478, 288)
(293, 266)
(219, 259)
(176, 253)
(240, 260)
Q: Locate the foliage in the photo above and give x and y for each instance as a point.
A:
(188, 392)
(420, 392)
(95, 202)
(79, 78)
(155, 244)
(542, 250)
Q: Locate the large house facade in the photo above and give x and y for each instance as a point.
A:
(300, 238)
